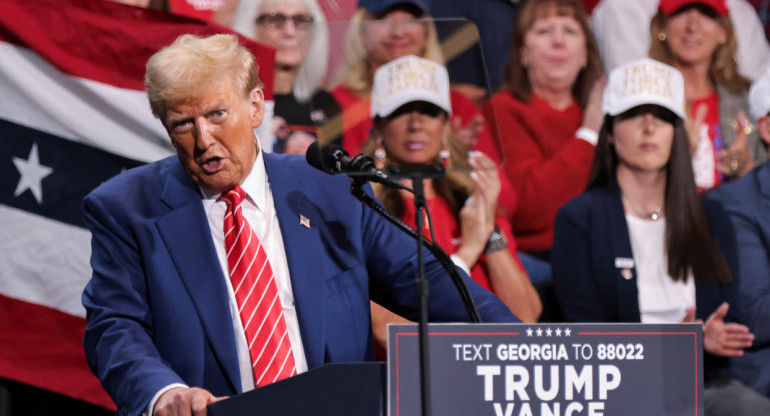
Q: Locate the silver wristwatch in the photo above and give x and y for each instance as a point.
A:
(496, 242)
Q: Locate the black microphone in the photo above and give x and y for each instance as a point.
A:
(333, 159)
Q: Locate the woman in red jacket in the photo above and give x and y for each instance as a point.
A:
(548, 115)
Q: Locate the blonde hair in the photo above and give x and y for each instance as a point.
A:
(357, 74)
(313, 67)
(723, 69)
(198, 64)
(515, 77)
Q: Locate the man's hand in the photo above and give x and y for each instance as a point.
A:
(184, 401)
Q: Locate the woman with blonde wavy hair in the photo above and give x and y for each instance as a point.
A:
(364, 56)
(379, 32)
(698, 39)
(411, 126)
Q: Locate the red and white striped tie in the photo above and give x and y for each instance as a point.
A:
(257, 295)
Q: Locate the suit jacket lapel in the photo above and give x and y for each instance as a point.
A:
(302, 242)
(186, 234)
(762, 176)
(620, 246)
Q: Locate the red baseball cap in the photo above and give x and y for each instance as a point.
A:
(669, 7)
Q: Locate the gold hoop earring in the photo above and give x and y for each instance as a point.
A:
(379, 154)
(662, 37)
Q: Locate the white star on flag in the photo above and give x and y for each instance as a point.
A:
(32, 174)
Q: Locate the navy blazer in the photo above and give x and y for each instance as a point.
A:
(747, 203)
(157, 304)
(590, 233)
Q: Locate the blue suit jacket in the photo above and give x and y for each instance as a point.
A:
(591, 232)
(157, 305)
(747, 203)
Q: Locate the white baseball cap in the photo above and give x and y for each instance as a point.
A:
(759, 96)
(645, 81)
(409, 79)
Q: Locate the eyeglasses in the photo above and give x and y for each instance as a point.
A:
(278, 20)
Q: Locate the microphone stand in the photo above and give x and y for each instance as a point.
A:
(418, 173)
(422, 292)
(443, 258)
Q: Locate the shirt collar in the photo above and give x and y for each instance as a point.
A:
(254, 185)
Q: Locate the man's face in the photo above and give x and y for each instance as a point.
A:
(213, 134)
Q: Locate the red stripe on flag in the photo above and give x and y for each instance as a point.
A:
(43, 347)
(105, 41)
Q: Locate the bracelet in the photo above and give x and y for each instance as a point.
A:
(588, 135)
(496, 242)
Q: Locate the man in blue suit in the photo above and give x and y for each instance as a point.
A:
(163, 332)
(747, 202)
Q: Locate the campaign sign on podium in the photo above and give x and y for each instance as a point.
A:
(549, 369)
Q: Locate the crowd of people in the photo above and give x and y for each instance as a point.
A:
(616, 130)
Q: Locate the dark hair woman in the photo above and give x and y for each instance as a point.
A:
(640, 245)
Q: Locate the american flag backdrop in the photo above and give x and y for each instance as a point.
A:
(72, 114)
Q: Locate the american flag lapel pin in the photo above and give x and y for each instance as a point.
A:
(304, 221)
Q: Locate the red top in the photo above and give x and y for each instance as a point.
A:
(449, 234)
(589, 5)
(544, 161)
(705, 157)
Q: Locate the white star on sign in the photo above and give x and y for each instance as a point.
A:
(558, 332)
(548, 332)
(529, 332)
(32, 174)
(567, 332)
(539, 332)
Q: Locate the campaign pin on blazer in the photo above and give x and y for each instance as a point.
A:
(626, 265)
(304, 221)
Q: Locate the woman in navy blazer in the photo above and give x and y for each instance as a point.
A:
(641, 229)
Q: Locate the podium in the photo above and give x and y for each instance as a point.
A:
(504, 369)
(335, 389)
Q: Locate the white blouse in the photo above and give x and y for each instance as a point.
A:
(661, 299)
